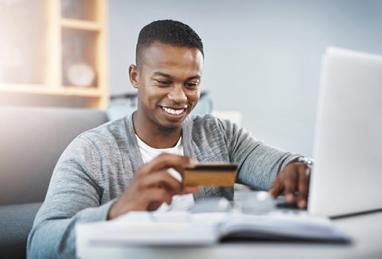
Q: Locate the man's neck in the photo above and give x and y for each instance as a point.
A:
(155, 136)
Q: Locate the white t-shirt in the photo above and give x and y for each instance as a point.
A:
(179, 202)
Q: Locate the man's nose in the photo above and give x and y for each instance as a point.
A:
(177, 94)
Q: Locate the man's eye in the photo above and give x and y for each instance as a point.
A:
(162, 82)
(192, 85)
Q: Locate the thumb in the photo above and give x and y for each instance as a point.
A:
(190, 189)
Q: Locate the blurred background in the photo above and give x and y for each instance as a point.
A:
(262, 58)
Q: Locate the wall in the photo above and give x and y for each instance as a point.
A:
(262, 57)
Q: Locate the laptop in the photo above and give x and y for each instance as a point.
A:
(347, 176)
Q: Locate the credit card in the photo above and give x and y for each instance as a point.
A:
(210, 174)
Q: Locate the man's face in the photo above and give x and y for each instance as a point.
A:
(168, 83)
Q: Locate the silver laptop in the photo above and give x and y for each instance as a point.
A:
(347, 177)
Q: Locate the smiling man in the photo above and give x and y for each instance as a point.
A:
(128, 164)
(168, 81)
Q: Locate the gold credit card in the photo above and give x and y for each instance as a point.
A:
(216, 174)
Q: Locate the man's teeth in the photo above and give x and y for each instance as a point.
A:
(173, 111)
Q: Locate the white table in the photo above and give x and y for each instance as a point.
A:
(365, 230)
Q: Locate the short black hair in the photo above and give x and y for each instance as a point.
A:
(169, 32)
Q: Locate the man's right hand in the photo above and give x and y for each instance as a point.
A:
(152, 185)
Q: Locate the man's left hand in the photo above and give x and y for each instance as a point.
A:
(293, 182)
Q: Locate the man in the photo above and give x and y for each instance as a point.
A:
(127, 165)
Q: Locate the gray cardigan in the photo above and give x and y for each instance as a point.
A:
(98, 165)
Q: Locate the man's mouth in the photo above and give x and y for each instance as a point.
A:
(174, 112)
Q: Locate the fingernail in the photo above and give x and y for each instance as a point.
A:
(289, 197)
(301, 204)
(191, 162)
(175, 174)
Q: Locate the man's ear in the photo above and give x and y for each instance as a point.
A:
(133, 75)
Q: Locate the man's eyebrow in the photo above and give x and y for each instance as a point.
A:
(169, 76)
(193, 77)
(162, 74)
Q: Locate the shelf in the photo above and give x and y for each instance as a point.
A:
(47, 90)
(50, 39)
(81, 25)
(81, 9)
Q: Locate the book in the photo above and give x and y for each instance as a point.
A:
(204, 229)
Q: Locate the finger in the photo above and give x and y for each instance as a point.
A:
(164, 161)
(277, 187)
(160, 179)
(290, 183)
(155, 197)
(190, 189)
(178, 176)
(303, 183)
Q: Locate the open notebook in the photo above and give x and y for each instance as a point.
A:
(202, 229)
